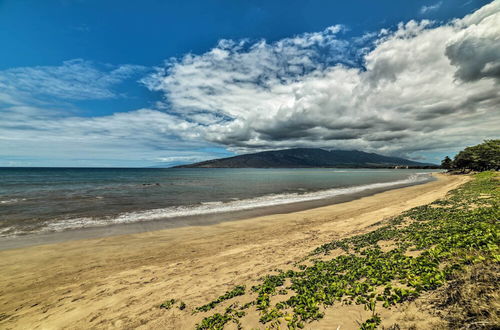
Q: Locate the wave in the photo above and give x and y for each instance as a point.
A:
(216, 206)
(12, 200)
(222, 207)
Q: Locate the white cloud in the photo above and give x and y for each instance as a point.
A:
(183, 159)
(430, 8)
(475, 50)
(73, 80)
(234, 72)
(146, 136)
(419, 89)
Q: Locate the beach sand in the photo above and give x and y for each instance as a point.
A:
(119, 281)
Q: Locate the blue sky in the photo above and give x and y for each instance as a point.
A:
(146, 83)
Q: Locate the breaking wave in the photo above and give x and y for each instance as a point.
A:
(219, 206)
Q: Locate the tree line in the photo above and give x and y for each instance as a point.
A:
(482, 157)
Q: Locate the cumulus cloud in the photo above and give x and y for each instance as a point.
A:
(475, 50)
(239, 69)
(73, 80)
(421, 87)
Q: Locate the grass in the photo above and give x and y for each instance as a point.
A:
(470, 298)
(452, 235)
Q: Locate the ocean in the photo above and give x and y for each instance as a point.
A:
(44, 200)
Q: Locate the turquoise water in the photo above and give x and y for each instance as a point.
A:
(54, 199)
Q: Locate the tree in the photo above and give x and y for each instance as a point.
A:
(447, 163)
(464, 160)
(482, 157)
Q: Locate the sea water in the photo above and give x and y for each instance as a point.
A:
(41, 200)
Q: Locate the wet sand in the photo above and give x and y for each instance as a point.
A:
(119, 281)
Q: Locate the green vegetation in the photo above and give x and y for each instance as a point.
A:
(237, 291)
(483, 157)
(218, 321)
(167, 304)
(415, 252)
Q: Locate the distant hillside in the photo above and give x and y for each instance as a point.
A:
(306, 157)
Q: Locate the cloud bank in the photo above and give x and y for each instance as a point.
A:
(422, 87)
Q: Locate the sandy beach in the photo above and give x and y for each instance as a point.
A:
(119, 281)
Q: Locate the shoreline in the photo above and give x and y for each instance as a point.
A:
(44, 238)
(119, 281)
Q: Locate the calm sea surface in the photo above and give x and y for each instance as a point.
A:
(54, 199)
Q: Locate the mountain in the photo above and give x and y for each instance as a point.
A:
(306, 157)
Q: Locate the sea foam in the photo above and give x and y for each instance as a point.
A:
(12, 200)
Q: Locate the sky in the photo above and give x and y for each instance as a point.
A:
(160, 83)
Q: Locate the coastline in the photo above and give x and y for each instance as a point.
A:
(118, 281)
(115, 229)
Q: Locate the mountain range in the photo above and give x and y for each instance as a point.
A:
(307, 157)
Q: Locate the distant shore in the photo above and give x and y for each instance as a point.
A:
(119, 281)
